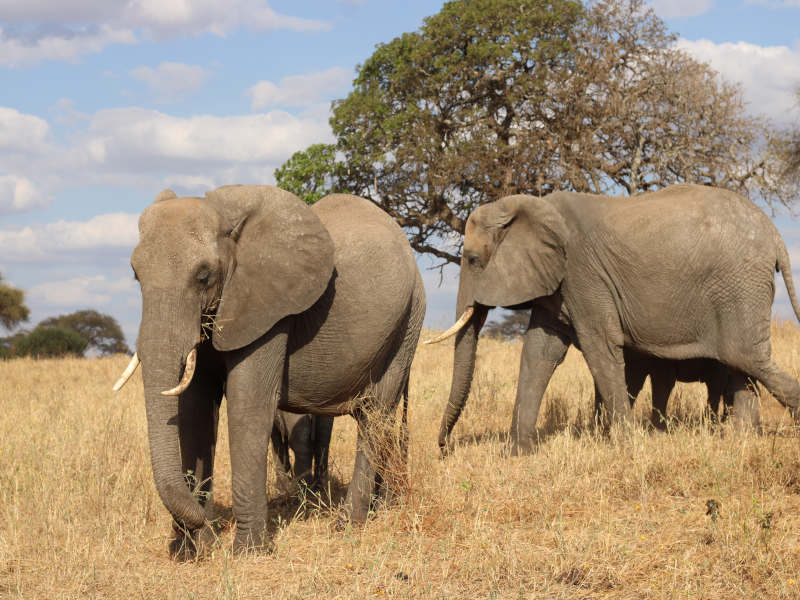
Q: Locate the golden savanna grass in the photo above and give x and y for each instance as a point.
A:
(625, 516)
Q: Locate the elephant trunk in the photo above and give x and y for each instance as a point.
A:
(163, 346)
(463, 359)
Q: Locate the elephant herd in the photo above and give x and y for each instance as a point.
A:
(299, 313)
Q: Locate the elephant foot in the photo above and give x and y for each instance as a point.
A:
(252, 541)
(190, 545)
(523, 447)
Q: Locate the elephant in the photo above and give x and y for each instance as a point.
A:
(686, 272)
(663, 375)
(308, 436)
(251, 292)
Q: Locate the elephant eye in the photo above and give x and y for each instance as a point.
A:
(473, 260)
(205, 276)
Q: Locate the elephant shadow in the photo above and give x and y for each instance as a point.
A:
(300, 503)
(484, 437)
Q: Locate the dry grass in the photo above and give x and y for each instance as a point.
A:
(585, 517)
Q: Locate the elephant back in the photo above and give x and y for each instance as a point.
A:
(364, 312)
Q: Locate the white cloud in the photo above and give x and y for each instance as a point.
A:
(138, 140)
(171, 81)
(96, 290)
(22, 133)
(18, 194)
(769, 74)
(669, 9)
(300, 90)
(19, 51)
(35, 243)
(148, 149)
(45, 30)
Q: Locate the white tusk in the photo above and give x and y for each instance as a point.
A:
(188, 373)
(126, 374)
(465, 316)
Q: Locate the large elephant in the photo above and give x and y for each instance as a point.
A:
(686, 272)
(281, 305)
(308, 437)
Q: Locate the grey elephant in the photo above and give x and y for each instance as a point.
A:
(307, 309)
(686, 272)
(664, 373)
(309, 438)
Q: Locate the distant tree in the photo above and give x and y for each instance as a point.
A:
(8, 345)
(311, 173)
(101, 332)
(51, 342)
(496, 97)
(510, 324)
(12, 306)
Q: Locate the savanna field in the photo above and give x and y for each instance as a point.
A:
(696, 513)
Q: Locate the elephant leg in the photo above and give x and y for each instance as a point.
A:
(322, 430)
(380, 458)
(662, 382)
(542, 351)
(636, 370)
(198, 418)
(280, 443)
(716, 379)
(301, 442)
(359, 492)
(745, 412)
(255, 375)
(607, 366)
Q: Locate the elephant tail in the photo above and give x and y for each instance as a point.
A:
(785, 268)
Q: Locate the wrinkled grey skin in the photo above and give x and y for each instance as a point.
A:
(307, 309)
(308, 437)
(683, 273)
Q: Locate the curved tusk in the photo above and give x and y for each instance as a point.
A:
(462, 320)
(188, 373)
(126, 374)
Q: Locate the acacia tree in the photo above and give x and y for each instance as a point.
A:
(12, 306)
(101, 332)
(496, 97)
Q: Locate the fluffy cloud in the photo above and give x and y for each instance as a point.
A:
(300, 90)
(147, 149)
(97, 290)
(769, 74)
(669, 9)
(36, 243)
(171, 81)
(18, 194)
(21, 133)
(138, 140)
(44, 30)
(61, 45)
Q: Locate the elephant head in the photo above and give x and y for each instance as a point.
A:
(227, 268)
(514, 252)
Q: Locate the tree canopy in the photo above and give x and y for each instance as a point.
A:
(101, 332)
(51, 342)
(12, 306)
(497, 97)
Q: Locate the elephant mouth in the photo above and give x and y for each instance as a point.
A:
(188, 374)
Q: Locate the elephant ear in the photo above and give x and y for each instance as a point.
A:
(283, 261)
(529, 257)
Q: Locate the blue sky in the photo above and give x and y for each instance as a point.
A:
(102, 105)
